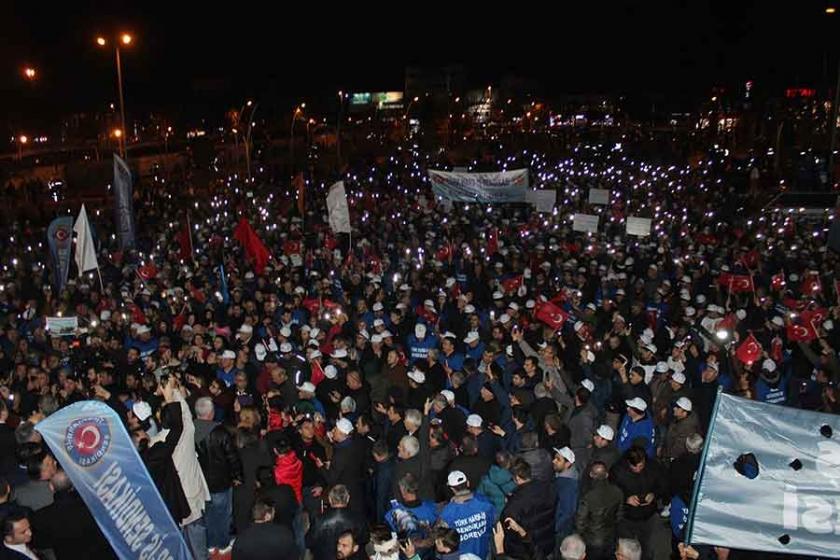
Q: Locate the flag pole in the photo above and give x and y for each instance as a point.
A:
(101, 283)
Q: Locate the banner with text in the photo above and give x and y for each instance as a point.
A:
(93, 447)
(488, 188)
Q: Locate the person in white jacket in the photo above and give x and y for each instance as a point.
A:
(192, 481)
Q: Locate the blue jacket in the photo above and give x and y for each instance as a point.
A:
(475, 353)
(496, 486)
(473, 519)
(419, 349)
(566, 488)
(227, 376)
(146, 348)
(382, 481)
(455, 361)
(629, 431)
(764, 392)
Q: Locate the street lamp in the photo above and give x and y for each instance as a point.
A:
(22, 140)
(298, 110)
(830, 10)
(29, 73)
(338, 127)
(124, 39)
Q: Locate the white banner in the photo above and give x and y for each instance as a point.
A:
(599, 196)
(585, 222)
(542, 200)
(505, 186)
(62, 326)
(639, 227)
(337, 208)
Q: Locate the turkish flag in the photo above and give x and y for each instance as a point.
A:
(291, 247)
(313, 305)
(750, 259)
(749, 351)
(737, 283)
(560, 297)
(727, 323)
(147, 271)
(801, 333)
(552, 315)
(512, 284)
(444, 253)
(811, 285)
(815, 316)
(777, 282)
(492, 241)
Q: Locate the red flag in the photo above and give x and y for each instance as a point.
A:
(317, 373)
(801, 333)
(727, 323)
(737, 283)
(291, 247)
(180, 320)
(254, 248)
(330, 243)
(313, 305)
(552, 315)
(300, 187)
(814, 316)
(147, 271)
(185, 241)
(811, 285)
(444, 253)
(749, 351)
(492, 241)
(512, 284)
(777, 282)
(750, 259)
(559, 297)
(137, 315)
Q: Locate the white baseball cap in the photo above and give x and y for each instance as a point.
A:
(474, 421)
(456, 478)
(498, 295)
(315, 354)
(286, 332)
(684, 403)
(513, 305)
(378, 323)
(378, 306)
(662, 367)
(376, 339)
(637, 403)
(386, 334)
(344, 426)
(504, 319)
(339, 353)
(588, 385)
(307, 387)
(530, 304)
(448, 395)
(605, 432)
(417, 376)
(285, 348)
(469, 309)
(678, 377)
(228, 355)
(330, 372)
(143, 329)
(246, 329)
(141, 410)
(472, 336)
(566, 453)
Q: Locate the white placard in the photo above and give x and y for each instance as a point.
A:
(543, 201)
(62, 326)
(639, 227)
(585, 222)
(599, 196)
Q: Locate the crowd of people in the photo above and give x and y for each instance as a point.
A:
(451, 382)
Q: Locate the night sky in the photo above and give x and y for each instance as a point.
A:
(194, 60)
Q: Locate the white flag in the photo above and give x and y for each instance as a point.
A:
(85, 251)
(338, 210)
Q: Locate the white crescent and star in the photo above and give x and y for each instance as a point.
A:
(97, 437)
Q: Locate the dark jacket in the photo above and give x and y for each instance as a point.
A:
(67, 527)
(582, 423)
(540, 461)
(348, 468)
(532, 506)
(474, 466)
(651, 480)
(323, 536)
(265, 541)
(217, 455)
(159, 463)
(598, 514)
(678, 432)
(383, 486)
(252, 458)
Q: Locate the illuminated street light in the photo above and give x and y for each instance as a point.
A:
(29, 73)
(125, 39)
(830, 10)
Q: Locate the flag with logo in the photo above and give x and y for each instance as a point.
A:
(801, 332)
(60, 241)
(123, 204)
(769, 480)
(93, 447)
(339, 212)
(736, 283)
(811, 285)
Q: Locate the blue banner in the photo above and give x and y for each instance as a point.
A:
(504, 186)
(123, 204)
(95, 450)
(769, 480)
(60, 241)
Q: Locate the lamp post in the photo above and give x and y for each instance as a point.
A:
(21, 141)
(124, 39)
(298, 110)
